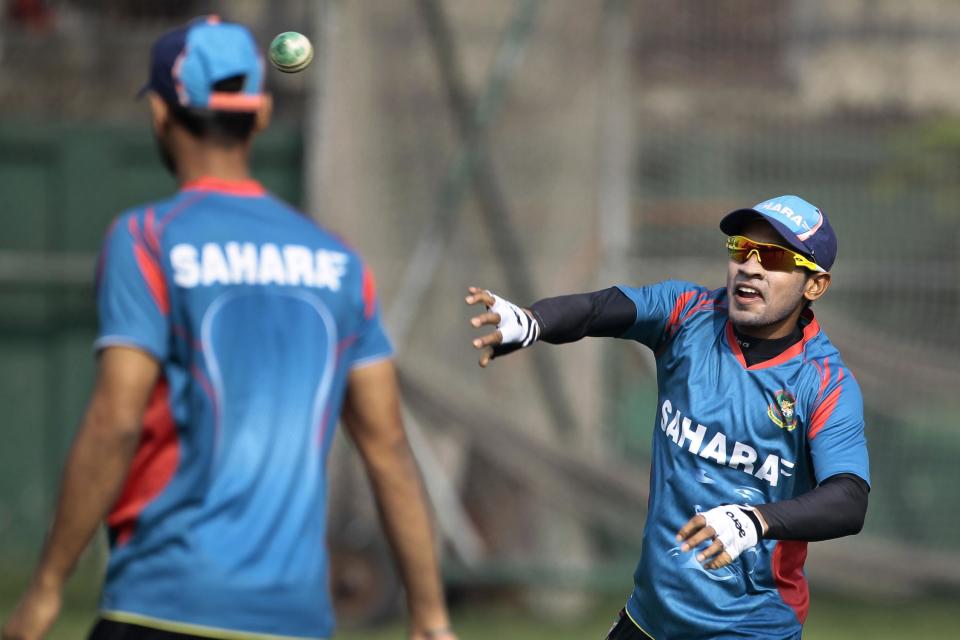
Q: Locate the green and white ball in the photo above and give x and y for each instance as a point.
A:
(291, 52)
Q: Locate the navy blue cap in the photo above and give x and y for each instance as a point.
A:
(801, 225)
(187, 62)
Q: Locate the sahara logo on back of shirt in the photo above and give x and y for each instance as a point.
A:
(679, 430)
(247, 263)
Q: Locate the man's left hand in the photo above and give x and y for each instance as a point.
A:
(732, 530)
(35, 614)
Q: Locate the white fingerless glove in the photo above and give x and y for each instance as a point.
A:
(516, 326)
(735, 528)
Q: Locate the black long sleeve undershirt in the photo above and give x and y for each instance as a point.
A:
(833, 509)
(600, 314)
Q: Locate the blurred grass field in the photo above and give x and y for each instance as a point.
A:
(833, 617)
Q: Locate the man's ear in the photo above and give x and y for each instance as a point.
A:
(159, 112)
(264, 113)
(816, 285)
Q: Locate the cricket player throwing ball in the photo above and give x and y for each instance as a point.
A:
(758, 442)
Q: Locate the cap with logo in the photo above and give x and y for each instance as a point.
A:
(187, 63)
(804, 227)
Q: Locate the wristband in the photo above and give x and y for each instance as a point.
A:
(734, 527)
(515, 326)
(755, 519)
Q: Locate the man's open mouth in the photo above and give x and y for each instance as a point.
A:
(746, 294)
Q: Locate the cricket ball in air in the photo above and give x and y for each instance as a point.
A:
(291, 52)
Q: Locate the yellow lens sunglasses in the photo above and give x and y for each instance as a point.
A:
(771, 256)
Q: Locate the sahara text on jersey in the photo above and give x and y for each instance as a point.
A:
(679, 430)
(247, 263)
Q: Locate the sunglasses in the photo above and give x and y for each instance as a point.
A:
(771, 256)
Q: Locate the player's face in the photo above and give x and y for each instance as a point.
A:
(764, 303)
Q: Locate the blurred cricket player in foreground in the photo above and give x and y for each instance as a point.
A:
(758, 444)
(234, 332)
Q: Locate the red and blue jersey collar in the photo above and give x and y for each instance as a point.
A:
(245, 188)
(810, 331)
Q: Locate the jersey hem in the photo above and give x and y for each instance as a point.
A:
(365, 362)
(839, 470)
(637, 624)
(195, 629)
(124, 341)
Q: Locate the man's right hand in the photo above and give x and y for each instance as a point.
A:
(516, 328)
(35, 614)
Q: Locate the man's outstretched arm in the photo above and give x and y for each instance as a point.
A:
(96, 469)
(558, 320)
(372, 416)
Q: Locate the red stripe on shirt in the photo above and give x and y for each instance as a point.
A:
(704, 303)
(153, 467)
(678, 306)
(345, 344)
(824, 410)
(150, 232)
(149, 268)
(186, 336)
(824, 379)
(675, 321)
(248, 187)
(369, 294)
(134, 229)
(735, 345)
(177, 210)
(153, 275)
(787, 566)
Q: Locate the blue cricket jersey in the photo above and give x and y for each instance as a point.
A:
(257, 315)
(724, 433)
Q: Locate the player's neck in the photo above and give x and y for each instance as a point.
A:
(213, 162)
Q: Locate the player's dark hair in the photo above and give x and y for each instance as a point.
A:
(224, 128)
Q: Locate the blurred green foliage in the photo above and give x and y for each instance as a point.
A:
(923, 162)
